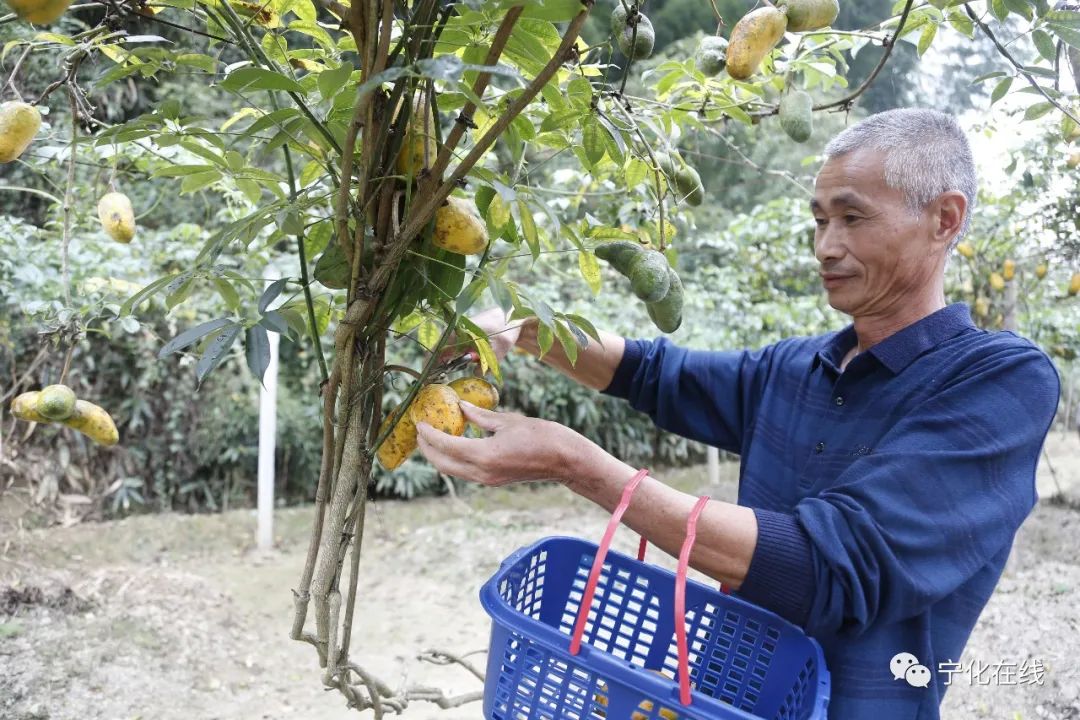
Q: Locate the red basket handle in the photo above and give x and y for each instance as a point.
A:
(601, 554)
(680, 599)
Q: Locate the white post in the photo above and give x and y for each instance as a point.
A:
(713, 456)
(267, 446)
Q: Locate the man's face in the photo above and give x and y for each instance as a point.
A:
(874, 252)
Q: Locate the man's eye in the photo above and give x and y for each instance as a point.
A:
(821, 222)
(850, 218)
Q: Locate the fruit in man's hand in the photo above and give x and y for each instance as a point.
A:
(117, 216)
(459, 229)
(400, 443)
(419, 148)
(477, 391)
(712, 55)
(94, 422)
(752, 38)
(804, 15)
(797, 115)
(1008, 270)
(437, 405)
(667, 313)
(24, 407)
(649, 278)
(56, 402)
(19, 123)
(39, 12)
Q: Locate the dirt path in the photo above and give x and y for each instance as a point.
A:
(176, 617)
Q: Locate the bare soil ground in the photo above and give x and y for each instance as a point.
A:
(169, 617)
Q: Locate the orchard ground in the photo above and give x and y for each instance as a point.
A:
(172, 616)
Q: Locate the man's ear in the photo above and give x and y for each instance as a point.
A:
(948, 212)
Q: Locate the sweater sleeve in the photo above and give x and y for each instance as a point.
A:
(702, 395)
(902, 527)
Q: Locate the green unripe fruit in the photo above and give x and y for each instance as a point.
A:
(56, 402)
(649, 278)
(685, 179)
(636, 43)
(667, 313)
(804, 15)
(797, 115)
(620, 253)
(712, 55)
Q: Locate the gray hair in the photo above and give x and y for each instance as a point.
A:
(926, 154)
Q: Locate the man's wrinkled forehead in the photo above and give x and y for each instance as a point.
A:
(852, 180)
(840, 200)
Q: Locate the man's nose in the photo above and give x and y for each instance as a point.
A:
(828, 244)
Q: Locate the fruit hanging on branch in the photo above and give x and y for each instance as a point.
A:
(806, 15)
(117, 216)
(459, 228)
(477, 391)
(966, 250)
(1008, 270)
(19, 123)
(437, 405)
(1040, 270)
(400, 443)
(57, 403)
(687, 181)
(997, 282)
(39, 12)
(634, 33)
(419, 147)
(1074, 284)
(752, 38)
(797, 115)
(650, 277)
(712, 55)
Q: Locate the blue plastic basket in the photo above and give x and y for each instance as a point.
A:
(744, 662)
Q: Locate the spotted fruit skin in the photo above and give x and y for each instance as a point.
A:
(94, 422)
(117, 216)
(459, 229)
(400, 443)
(24, 407)
(56, 402)
(19, 123)
(437, 405)
(477, 391)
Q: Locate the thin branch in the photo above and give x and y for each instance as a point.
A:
(441, 657)
(15, 71)
(890, 44)
(66, 239)
(1020, 68)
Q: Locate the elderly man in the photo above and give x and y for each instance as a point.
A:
(885, 468)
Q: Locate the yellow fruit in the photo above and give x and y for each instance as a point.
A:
(419, 149)
(117, 217)
(804, 15)
(1040, 270)
(477, 391)
(19, 123)
(400, 443)
(437, 405)
(982, 307)
(24, 407)
(94, 422)
(752, 38)
(997, 282)
(459, 229)
(39, 12)
(966, 250)
(1008, 270)
(1073, 161)
(56, 402)
(1074, 284)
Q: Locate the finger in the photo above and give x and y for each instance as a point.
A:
(431, 445)
(485, 419)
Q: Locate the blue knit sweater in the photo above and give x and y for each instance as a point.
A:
(887, 496)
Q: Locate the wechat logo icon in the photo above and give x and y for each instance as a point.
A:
(905, 666)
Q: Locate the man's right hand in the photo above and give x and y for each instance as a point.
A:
(502, 334)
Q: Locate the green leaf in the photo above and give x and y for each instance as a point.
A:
(192, 335)
(1020, 7)
(580, 93)
(553, 10)
(311, 172)
(989, 76)
(1044, 44)
(1000, 89)
(585, 325)
(179, 295)
(560, 120)
(428, 334)
(498, 213)
(528, 228)
(545, 338)
(962, 23)
(251, 189)
(275, 322)
(1066, 25)
(216, 352)
(331, 82)
(997, 7)
(1037, 110)
(568, 341)
(636, 172)
(257, 350)
(590, 270)
(199, 181)
(593, 140)
(500, 291)
(145, 294)
(181, 170)
(271, 293)
(257, 78)
(927, 37)
(227, 292)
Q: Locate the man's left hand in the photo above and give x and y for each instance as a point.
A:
(519, 449)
